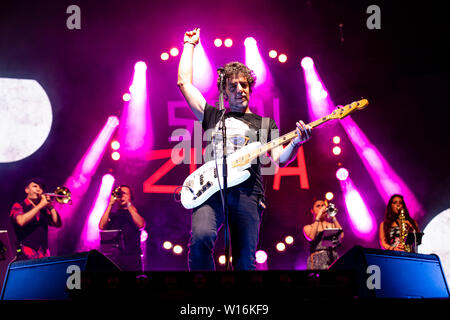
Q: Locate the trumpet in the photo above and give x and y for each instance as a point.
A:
(117, 193)
(331, 210)
(62, 195)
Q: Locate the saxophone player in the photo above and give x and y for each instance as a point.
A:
(396, 225)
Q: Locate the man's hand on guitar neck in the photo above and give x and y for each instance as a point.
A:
(286, 155)
(303, 133)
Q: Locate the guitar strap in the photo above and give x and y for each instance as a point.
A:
(264, 133)
(264, 130)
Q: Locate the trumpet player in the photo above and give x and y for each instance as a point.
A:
(31, 219)
(396, 223)
(125, 217)
(321, 256)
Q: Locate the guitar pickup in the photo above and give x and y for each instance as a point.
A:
(206, 186)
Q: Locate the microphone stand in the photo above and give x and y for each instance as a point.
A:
(224, 171)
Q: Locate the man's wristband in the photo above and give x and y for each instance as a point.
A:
(190, 43)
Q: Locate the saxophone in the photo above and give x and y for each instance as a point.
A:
(403, 230)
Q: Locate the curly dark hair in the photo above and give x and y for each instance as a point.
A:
(237, 68)
(390, 216)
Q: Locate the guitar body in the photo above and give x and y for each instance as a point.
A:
(200, 185)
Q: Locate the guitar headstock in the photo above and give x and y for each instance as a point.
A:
(342, 111)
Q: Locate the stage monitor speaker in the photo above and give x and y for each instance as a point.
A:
(46, 278)
(6, 255)
(394, 274)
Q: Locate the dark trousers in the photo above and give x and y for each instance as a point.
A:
(245, 213)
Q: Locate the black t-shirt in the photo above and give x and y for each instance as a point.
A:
(242, 129)
(121, 220)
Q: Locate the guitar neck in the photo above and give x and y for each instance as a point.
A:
(288, 137)
(275, 143)
(338, 113)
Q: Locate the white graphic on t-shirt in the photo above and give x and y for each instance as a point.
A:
(237, 136)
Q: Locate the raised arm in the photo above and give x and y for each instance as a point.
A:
(193, 96)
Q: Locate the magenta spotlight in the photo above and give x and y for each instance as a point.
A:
(261, 256)
(140, 66)
(167, 245)
(329, 196)
(90, 235)
(174, 52)
(307, 63)
(164, 56)
(289, 239)
(361, 219)
(273, 54)
(218, 42)
(319, 103)
(281, 246)
(228, 42)
(282, 58)
(386, 180)
(115, 155)
(336, 139)
(126, 97)
(342, 174)
(177, 249)
(135, 134)
(144, 236)
(250, 41)
(115, 145)
(337, 150)
(254, 60)
(203, 77)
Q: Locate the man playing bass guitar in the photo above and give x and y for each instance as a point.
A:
(245, 200)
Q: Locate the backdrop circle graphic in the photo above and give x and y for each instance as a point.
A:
(436, 237)
(25, 118)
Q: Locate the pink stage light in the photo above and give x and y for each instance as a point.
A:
(140, 66)
(144, 235)
(174, 52)
(386, 180)
(135, 133)
(273, 54)
(218, 42)
(336, 139)
(261, 256)
(165, 56)
(337, 150)
(228, 42)
(281, 246)
(319, 103)
(361, 219)
(115, 145)
(204, 76)
(115, 155)
(126, 97)
(342, 174)
(307, 63)
(254, 61)
(79, 181)
(282, 58)
(90, 235)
